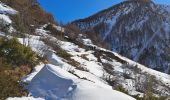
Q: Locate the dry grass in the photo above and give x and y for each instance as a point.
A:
(9, 82)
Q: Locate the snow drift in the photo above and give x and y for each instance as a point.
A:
(54, 83)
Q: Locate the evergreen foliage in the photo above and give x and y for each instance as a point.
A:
(16, 54)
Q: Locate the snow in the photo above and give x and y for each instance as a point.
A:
(87, 41)
(145, 46)
(91, 77)
(131, 33)
(4, 19)
(29, 77)
(58, 61)
(117, 65)
(165, 78)
(4, 9)
(110, 24)
(129, 83)
(59, 28)
(41, 31)
(2, 34)
(71, 48)
(35, 43)
(54, 59)
(54, 83)
(92, 66)
(60, 80)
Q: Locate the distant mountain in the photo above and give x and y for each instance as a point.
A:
(137, 29)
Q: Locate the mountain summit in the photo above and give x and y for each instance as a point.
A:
(136, 29)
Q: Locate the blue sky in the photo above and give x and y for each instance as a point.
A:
(69, 10)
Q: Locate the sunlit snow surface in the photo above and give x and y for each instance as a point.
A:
(54, 83)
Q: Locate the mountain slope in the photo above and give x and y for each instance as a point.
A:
(100, 66)
(73, 68)
(59, 83)
(136, 29)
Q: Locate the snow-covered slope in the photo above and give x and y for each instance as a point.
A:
(98, 72)
(86, 71)
(54, 83)
(136, 29)
(60, 80)
(97, 67)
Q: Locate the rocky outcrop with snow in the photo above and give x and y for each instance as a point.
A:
(5, 21)
(4, 9)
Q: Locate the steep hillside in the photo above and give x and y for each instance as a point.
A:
(17, 60)
(136, 29)
(70, 66)
(91, 64)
